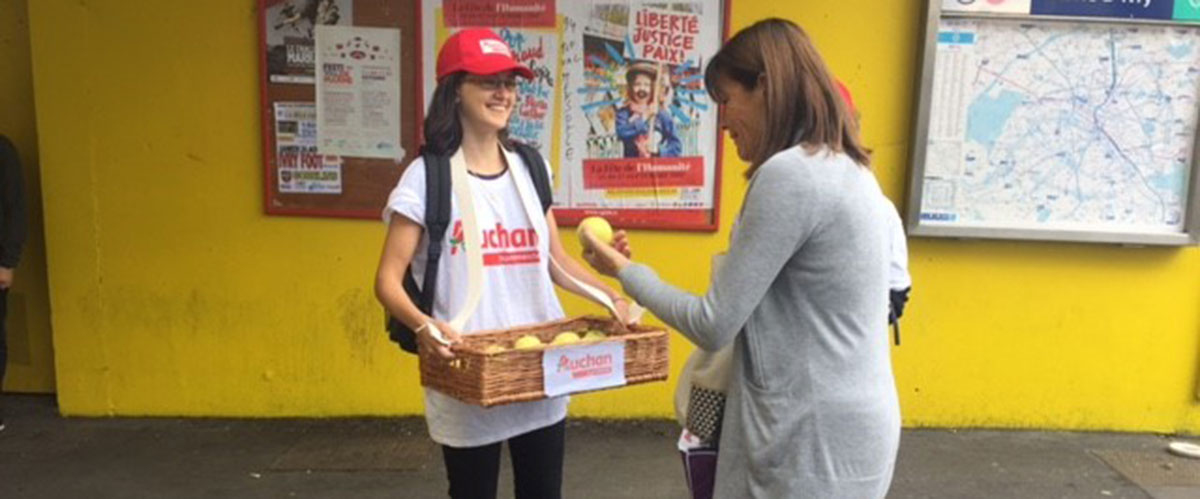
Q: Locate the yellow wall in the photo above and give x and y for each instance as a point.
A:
(173, 294)
(30, 353)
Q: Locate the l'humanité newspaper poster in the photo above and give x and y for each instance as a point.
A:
(290, 28)
(300, 168)
(618, 105)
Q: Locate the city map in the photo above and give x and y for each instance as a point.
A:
(1061, 126)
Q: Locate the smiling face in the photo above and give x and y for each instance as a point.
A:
(639, 90)
(743, 115)
(488, 101)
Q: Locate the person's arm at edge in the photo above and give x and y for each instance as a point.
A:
(12, 206)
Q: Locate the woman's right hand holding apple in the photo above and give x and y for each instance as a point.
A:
(604, 258)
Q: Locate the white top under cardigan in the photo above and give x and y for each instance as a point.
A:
(812, 409)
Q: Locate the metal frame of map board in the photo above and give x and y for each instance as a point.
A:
(1189, 235)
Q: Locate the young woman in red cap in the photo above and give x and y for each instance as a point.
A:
(466, 121)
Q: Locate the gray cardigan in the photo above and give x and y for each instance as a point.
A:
(812, 409)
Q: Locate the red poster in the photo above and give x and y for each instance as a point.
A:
(643, 172)
(500, 13)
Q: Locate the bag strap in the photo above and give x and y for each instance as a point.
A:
(537, 171)
(897, 298)
(437, 220)
(437, 211)
(541, 182)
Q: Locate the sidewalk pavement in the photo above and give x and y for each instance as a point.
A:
(43, 455)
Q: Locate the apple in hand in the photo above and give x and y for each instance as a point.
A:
(599, 228)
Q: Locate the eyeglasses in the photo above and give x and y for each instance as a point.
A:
(493, 83)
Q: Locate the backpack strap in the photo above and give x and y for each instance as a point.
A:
(537, 171)
(437, 220)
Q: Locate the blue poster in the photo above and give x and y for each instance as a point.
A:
(1126, 9)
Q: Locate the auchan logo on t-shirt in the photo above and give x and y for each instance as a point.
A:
(501, 245)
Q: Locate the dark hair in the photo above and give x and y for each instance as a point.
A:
(803, 105)
(443, 122)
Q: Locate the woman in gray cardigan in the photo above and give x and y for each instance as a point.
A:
(812, 409)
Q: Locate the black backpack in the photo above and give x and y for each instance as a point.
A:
(437, 219)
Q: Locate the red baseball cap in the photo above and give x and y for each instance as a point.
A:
(477, 51)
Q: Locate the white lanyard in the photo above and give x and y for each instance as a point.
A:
(460, 183)
(532, 205)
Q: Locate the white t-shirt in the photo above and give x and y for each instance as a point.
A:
(898, 277)
(517, 290)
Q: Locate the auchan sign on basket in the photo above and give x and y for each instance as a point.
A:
(584, 367)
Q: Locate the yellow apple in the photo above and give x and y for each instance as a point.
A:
(594, 335)
(527, 342)
(599, 228)
(563, 338)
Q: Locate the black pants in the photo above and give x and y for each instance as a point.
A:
(3, 336)
(537, 460)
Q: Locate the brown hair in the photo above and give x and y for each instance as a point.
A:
(803, 105)
(443, 126)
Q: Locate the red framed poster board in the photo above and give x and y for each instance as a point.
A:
(368, 46)
(584, 54)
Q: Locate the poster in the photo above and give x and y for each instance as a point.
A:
(531, 120)
(358, 92)
(618, 106)
(372, 107)
(290, 27)
(300, 168)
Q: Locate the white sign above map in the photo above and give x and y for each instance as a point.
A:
(1008, 6)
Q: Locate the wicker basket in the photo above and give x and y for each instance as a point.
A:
(488, 379)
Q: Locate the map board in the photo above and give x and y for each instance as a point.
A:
(1058, 120)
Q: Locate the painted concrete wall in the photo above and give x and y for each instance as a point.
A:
(174, 294)
(30, 352)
